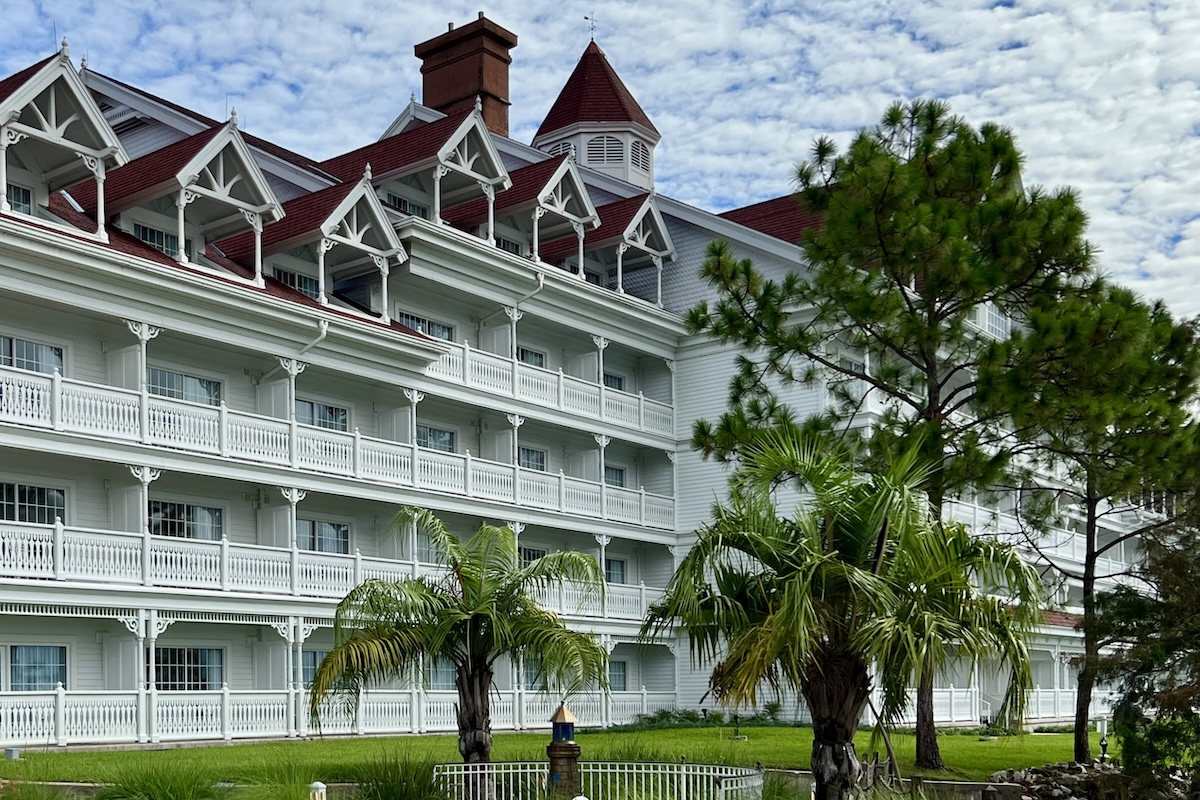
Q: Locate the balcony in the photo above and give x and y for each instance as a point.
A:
(510, 378)
(116, 558)
(56, 403)
(72, 717)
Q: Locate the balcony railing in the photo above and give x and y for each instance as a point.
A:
(60, 553)
(62, 717)
(527, 780)
(56, 403)
(511, 378)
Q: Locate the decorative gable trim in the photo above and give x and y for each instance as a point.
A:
(566, 185)
(346, 226)
(471, 152)
(206, 174)
(648, 228)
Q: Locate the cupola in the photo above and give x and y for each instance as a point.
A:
(597, 115)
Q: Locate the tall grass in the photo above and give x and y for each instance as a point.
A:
(398, 775)
(161, 780)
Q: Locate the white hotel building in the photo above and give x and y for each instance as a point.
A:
(201, 446)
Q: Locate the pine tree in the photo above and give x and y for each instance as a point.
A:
(928, 245)
(1097, 387)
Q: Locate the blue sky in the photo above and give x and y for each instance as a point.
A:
(1103, 96)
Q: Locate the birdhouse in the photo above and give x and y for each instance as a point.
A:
(563, 724)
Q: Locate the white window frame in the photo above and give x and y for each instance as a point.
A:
(620, 376)
(530, 554)
(38, 338)
(436, 666)
(293, 278)
(187, 372)
(624, 674)
(222, 647)
(68, 644)
(441, 427)
(317, 400)
(640, 164)
(624, 562)
(48, 482)
(206, 502)
(605, 154)
(423, 323)
(521, 452)
(525, 353)
(404, 204)
(625, 472)
(32, 198)
(328, 520)
(307, 675)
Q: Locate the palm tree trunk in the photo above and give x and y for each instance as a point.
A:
(473, 679)
(929, 755)
(836, 689)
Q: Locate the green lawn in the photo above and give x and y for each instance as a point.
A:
(335, 760)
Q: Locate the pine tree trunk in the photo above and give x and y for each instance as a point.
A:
(929, 754)
(1091, 650)
(836, 689)
(473, 679)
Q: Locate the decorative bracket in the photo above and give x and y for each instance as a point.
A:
(600, 342)
(94, 165)
(513, 313)
(328, 244)
(144, 474)
(489, 191)
(144, 331)
(292, 496)
(254, 219)
(414, 396)
(291, 366)
(135, 625)
(670, 456)
(187, 196)
(516, 527)
(516, 420)
(160, 626)
(306, 630)
(601, 440)
(602, 539)
(284, 629)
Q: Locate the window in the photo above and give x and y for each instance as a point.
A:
(558, 148)
(593, 278)
(857, 387)
(37, 668)
(618, 676)
(161, 240)
(20, 199)
(639, 154)
(531, 679)
(309, 659)
(509, 246)
(185, 520)
(531, 458)
(425, 551)
(440, 675)
(39, 504)
(614, 570)
(531, 357)
(323, 537)
(301, 283)
(435, 329)
(322, 415)
(612, 381)
(432, 438)
(169, 383)
(407, 206)
(605, 150)
(24, 354)
(530, 554)
(189, 669)
(614, 476)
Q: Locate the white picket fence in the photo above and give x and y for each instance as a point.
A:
(56, 403)
(602, 780)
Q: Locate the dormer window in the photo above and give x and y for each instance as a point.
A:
(161, 241)
(509, 245)
(301, 283)
(640, 155)
(20, 199)
(407, 206)
(605, 150)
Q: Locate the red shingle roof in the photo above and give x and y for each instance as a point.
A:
(527, 182)
(394, 152)
(14, 82)
(142, 173)
(614, 219)
(301, 215)
(782, 217)
(593, 93)
(1061, 619)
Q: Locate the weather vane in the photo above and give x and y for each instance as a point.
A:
(592, 24)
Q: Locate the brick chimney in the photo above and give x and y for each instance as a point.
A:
(467, 62)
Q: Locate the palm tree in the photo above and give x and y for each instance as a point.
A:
(857, 582)
(481, 609)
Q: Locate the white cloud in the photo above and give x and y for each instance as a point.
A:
(1102, 95)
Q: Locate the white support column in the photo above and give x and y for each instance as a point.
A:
(382, 265)
(658, 268)
(293, 367)
(286, 631)
(323, 247)
(514, 316)
(674, 474)
(144, 333)
(256, 224)
(489, 191)
(4, 135)
(137, 626)
(578, 227)
(155, 627)
(303, 631)
(145, 476)
(414, 397)
(601, 345)
(538, 213)
(293, 498)
(439, 172)
(622, 248)
(603, 541)
(671, 367)
(185, 198)
(96, 167)
(603, 441)
(516, 420)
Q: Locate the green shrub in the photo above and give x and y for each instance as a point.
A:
(161, 780)
(398, 776)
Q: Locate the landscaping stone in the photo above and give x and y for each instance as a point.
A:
(1087, 782)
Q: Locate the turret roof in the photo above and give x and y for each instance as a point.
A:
(593, 93)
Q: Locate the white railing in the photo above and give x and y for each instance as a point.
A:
(1060, 704)
(62, 717)
(602, 780)
(511, 378)
(58, 552)
(53, 402)
(951, 706)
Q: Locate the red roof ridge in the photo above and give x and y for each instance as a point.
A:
(527, 181)
(15, 81)
(593, 93)
(394, 152)
(300, 215)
